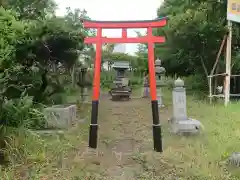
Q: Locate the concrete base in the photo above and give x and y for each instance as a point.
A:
(189, 126)
(50, 132)
(234, 159)
(60, 116)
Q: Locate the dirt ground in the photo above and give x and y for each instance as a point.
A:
(125, 148)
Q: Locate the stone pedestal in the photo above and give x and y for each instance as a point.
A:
(159, 94)
(180, 123)
(60, 116)
(189, 126)
(84, 96)
(159, 72)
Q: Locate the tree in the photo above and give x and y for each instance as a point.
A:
(141, 64)
(194, 33)
(37, 45)
(36, 48)
(30, 9)
(72, 19)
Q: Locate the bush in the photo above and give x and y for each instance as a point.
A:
(57, 98)
(21, 113)
(135, 82)
(17, 115)
(196, 83)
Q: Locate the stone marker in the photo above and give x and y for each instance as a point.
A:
(60, 116)
(159, 71)
(180, 123)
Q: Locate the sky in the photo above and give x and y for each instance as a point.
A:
(115, 10)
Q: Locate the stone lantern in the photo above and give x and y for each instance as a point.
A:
(82, 83)
(159, 71)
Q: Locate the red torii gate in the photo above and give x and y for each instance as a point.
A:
(99, 40)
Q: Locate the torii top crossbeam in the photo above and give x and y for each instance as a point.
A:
(159, 22)
(124, 25)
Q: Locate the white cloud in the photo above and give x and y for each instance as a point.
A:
(114, 10)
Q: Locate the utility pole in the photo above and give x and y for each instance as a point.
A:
(228, 64)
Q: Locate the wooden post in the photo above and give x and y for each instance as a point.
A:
(228, 64)
(157, 134)
(210, 88)
(93, 130)
(218, 55)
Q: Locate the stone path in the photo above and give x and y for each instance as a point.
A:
(125, 148)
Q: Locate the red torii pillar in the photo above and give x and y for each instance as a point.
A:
(99, 40)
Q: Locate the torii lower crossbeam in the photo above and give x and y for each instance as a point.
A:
(150, 40)
(144, 39)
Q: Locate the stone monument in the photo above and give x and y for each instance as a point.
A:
(180, 123)
(60, 116)
(159, 71)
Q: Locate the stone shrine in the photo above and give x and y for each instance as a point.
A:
(180, 123)
(121, 86)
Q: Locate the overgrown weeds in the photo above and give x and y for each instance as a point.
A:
(17, 117)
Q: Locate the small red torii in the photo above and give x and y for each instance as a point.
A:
(99, 41)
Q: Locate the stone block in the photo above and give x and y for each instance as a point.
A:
(189, 126)
(60, 116)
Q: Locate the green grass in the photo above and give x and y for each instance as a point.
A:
(199, 157)
(205, 155)
(45, 157)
